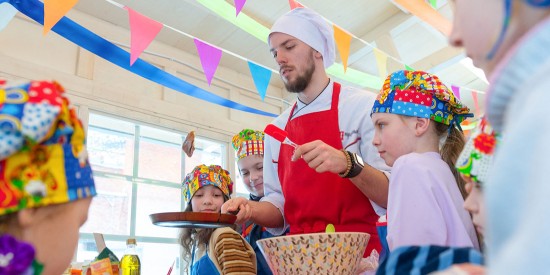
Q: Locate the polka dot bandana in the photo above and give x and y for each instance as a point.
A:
(203, 175)
(477, 156)
(420, 94)
(248, 142)
(43, 158)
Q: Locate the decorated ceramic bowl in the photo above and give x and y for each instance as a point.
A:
(319, 253)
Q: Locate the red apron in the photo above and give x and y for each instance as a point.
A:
(313, 200)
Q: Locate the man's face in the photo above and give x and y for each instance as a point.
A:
(295, 59)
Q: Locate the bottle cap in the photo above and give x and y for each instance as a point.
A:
(131, 241)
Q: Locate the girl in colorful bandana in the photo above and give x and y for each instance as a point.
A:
(473, 164)
(249, 148)
(412, 114)
(46, 183)
(213, 251)
(509, 40)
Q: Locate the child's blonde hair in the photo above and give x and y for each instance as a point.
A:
(420, 94)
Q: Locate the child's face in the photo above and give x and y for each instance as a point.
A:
(475, 204)
(54, 233)
(208, 198)
(476, 27)
(252, 171)
(393, 136)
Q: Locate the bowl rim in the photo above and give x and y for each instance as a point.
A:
(314, 234)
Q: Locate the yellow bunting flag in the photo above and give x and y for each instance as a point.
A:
(54, 10)
(343, 41)
(381, 62)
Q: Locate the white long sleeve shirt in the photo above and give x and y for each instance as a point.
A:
(357, 132)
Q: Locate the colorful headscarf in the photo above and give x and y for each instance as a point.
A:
(203, 175)
(477, 156)
(420, 94)
(43, 158)
(248, 142)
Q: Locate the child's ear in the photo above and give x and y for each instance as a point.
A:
(26, 217)
(422, 125)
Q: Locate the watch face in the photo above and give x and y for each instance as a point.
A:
(357, 159)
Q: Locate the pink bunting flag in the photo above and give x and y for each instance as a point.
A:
(476, 104)
(142, 30)
(261, 77)
(294, 4)
(210, 58)
(456, 91)
(239, 4)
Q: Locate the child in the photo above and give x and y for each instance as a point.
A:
(509, 41)
(412, 113)
(213, 251)
(249, 147)
(473, 163)
(45, 179)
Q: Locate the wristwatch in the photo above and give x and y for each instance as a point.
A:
(355, 165)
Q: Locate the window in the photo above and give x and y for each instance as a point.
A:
(138, 171)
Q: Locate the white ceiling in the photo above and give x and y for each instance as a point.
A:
(378, 22)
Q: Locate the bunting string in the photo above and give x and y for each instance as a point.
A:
(90, 41)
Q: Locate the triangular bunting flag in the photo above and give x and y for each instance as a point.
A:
(143, 30)
(210, 58)
(7, 12)
(54, 10)
(343, 41)
(381, 63)
(433, 3)
(456, 91)
(408, 68)
(476, 104)
(239, 4)
(427, 13)
(261, 78)
(294, 4)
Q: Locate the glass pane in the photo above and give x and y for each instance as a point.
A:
(155, 199)
(160, 155)
(206, 152)
(155, 258)
(158, 257)
(111, 145)
(110, 209)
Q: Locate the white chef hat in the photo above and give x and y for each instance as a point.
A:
(309, 27)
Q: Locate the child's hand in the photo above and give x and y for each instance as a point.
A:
(238, 206)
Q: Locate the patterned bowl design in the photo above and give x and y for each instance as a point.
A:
(319, 253)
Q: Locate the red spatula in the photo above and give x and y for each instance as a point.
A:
(279, 134)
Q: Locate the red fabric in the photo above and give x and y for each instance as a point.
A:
(313, 200)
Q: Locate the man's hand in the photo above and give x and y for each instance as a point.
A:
(239, 205)
(321, 157)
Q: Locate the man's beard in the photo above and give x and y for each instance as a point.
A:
(302, 81)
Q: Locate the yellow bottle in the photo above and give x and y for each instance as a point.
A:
(130, 264)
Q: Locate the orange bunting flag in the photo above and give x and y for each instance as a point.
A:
(343, 41)
(426, 13)
(54, 10)
(294, 4)
(381, 62)
(476, 104)
(142, 32)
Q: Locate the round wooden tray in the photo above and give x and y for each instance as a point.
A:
(192, 219)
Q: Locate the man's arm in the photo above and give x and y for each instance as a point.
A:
(325, 158)
(374, 184)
